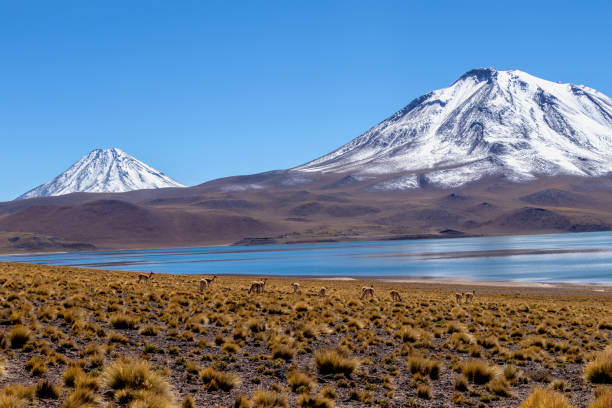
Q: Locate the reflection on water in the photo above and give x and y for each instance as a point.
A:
(579, 258)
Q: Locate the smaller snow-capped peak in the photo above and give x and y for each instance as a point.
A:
(104, 171)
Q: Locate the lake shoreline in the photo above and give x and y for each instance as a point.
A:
(582, 259)
(266, 242)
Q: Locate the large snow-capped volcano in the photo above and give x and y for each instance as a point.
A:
(104, 171)
(488, 122)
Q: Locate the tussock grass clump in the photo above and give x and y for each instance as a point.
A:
(599, 371)
(122, 321)
(317, 401)
(115, 337)
(328, 392)
(242, 402)
(18, 337)
(309, 331)
(45, 389)
(81, 398)
(335, 362)
(230, 348)
(70, 374)
(217, 380)
(256, 325)
(269, 399)
(301, 307)
(20, 391)
(284, 351)
(11, 401)
(16, 396)
(188, 402)
(460, 341)
(605, 325)
(37, 366)
(300, 381)
(425, 367)
(545, 398)
(407, 334)
(461, 383)
(149, 330)
(512, 373)
(135, 380)
(362, 396)
(478, 371)
(87, 382)
(603, 398)
(424, 391)
(499, 386)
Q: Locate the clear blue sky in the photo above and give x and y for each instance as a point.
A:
(206, 89)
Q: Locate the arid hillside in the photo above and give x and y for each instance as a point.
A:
(285, 207)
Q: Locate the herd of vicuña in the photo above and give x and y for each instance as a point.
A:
(366, 291)
(468, 296)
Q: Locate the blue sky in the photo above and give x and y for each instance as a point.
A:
(206, 89)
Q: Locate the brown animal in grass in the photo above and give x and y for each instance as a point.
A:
(322, 292)
(469, 296)
(458, 297)
(258, 286)
(296, 287)
(144, 277)
(263, 284)
(206, 282)
(367, 291)
(203, 284)
(255, 286)
(395, 296)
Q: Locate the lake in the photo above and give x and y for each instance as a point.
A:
(584, 258)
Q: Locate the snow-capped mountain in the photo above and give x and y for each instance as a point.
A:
(104, 171)
(488, 122)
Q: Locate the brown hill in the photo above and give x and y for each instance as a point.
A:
(283, 206)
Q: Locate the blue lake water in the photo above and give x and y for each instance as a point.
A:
(575, 258)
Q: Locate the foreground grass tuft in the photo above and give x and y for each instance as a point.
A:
(335, 362)
(603, 398)
(135, 380)
(216, 380)
(545, 398)
(478, 371)
(269, 399)
(18, 337)
(599, 371)
(317, 401)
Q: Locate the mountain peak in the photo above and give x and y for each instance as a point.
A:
(480, 74)
(104, 171)
(488, 122)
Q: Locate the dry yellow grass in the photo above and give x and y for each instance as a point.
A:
(599, 371)
(98, 338)
(544, 398)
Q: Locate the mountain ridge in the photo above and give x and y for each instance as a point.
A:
(487, 122)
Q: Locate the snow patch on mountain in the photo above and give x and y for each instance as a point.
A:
(488, 122)
(406, 182)
(240, 187)
(104, 171)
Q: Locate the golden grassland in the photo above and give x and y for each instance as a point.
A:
(87, 338)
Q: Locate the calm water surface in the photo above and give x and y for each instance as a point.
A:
(576, 258)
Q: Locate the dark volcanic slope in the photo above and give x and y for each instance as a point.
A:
(286, 207)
